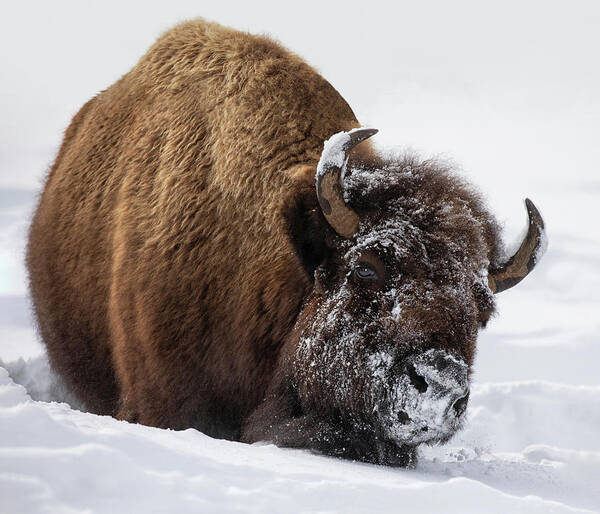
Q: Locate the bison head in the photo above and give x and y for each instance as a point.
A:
(405, 261)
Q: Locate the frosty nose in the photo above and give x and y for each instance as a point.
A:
(440, 375)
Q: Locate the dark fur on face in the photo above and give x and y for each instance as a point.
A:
(430, 241)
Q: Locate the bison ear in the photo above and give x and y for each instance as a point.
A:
(306, 227)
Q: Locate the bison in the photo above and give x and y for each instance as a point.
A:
(214, 248)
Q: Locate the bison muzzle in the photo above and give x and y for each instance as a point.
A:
(217, 246)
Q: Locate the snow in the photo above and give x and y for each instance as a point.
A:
(335, 152)
(520, 114)
(543, 246)
(55, 459)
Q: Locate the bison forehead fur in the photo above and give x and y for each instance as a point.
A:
(183, 273)
(435, 253)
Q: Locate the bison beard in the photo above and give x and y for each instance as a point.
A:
(186, 269)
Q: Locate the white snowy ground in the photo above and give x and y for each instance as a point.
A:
(510, 91)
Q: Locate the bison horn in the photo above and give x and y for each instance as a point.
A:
(528, 255)
(330, 178)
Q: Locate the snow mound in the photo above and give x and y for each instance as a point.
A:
(56, 459)
(41, 383)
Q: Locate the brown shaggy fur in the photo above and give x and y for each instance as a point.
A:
(176, 239)
(161, 275)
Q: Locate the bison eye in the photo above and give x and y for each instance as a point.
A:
(365, 272)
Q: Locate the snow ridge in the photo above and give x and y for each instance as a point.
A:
(56, 459)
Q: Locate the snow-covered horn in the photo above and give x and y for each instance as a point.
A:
(330, 180)
(530, 252)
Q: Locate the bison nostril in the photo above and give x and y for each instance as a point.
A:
(460, 405)
(403, 417)
(441, 362)
(418, 382)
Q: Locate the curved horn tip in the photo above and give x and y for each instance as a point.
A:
(335, 148)
(534, 213)
(535, 219)
(362, 133)
(357, 135)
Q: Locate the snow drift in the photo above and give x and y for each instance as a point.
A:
(56, 459)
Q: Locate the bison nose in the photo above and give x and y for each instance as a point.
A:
(438, 374)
